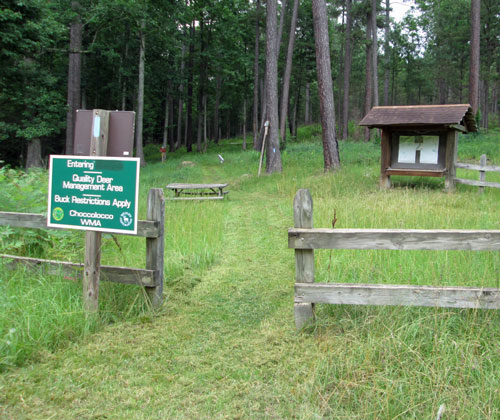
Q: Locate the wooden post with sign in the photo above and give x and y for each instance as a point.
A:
(92, 262)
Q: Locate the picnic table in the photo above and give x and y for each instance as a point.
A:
(198, 191)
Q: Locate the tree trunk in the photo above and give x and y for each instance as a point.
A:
(216, 110)
(205, 142)
(374, 52)
(288, 71)
(34, 154)
(292, 120)
(181, 101)
(273, 155)
(386, 51)
(368, 80)
(443, 93)
(341, 63)
(201, 86)
(490, 46)
(393, 84)
(256, 78)
(325, 87)
(280, 28)
(190, 69)
(307, 114)
(485, 110)
(347, 70)
(124, 83)
(74, 75)
(244, 124)
(263, 117)
(199, 131)
(140, 95)
(474, 55)
(171, 137)
(294, 123)
(165, 122)
(228, 124)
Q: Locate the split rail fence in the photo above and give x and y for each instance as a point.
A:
(482, 168)
(305, 239)
(151, 278)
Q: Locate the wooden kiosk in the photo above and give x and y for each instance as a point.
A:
(420, 140)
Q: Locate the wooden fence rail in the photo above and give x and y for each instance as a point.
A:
(482, 168)
(304, 239)
(152, 229)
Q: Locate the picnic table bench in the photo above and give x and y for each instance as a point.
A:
(198, 191)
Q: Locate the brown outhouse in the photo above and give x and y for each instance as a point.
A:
(420, 140)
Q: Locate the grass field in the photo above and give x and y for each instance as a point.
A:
(224, 346)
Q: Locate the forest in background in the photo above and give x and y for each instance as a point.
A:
(194, 71)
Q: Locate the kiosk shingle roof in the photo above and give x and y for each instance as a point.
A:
(421, 115)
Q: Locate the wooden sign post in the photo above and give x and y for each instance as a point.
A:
(92, 263)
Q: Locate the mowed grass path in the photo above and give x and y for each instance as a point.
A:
(225, 346)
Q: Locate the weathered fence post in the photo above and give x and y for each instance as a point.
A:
(155, 246)
(482, 174)
(304, 258)
(92, 271)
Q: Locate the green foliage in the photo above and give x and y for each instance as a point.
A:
(23, 191)
(152, 153)
(27, 193)
(209, 46)
(32, 90)
(308, 133)
(226, 342)
(39, 313)
(472, 146)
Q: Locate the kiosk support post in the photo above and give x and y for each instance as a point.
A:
(385, 161)
(451, 158)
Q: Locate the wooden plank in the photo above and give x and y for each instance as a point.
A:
(148, 228)
(415, 172)
(458, 127)
(215, 197)
(25, 220)
(396, 239)
(423, 115)
(304, 259)
(486, 168)
(155, 246)
(177, 186)
(125, 275)
(202, 193)
(145, 228)
(397, 295)
(475, 183)
(114, 274)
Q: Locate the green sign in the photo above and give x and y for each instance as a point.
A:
(93, 193)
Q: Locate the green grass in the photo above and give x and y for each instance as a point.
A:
(225, 346)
